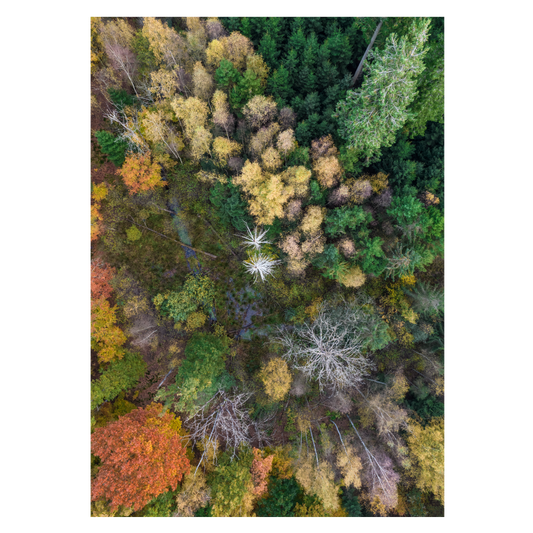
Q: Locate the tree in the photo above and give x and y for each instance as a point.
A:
(380, 480)
(142, 456)
(117, 37)
(101, 275)
(230, 484)
(140, 174)
(427, 300)
(106, 337)
(370, 117)
(281, 499)
(260, 111)
(329, 350)
(194, 494)
(260, 265)
(204, 363)
(429, 102)
(114, 148)
(260, 469)
(318, 479)
(120, 375)
(276, 379)
(426, 448)
(350, 502)
(197, 291)
(224, 419)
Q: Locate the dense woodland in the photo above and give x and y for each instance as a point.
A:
(267, 267)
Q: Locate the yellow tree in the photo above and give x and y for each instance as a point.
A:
(426, 448)
(202, 82)
(169, 48)
(276, 378)
(106, 337)
(223, 149)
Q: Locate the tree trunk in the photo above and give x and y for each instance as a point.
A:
(368, 48)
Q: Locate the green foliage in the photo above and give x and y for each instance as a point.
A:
(424, 404)
(110, 412)
(230, 207)
(230, 482)
(204, 363)
(120, 375)
(206, 511)
(415, 504)
(350, 501)
(226, 75)
(427, 300)
(133, 233)
(429, 102)
(114, 148)
(281, 499)
(162, 506)
(247, 87)
(121, 98)
(145, 56)
(309, 58)
(370, 117)
(342, 219)
(371, 257)
(197, 291)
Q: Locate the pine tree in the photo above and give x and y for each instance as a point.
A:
(370, 117)
(426, 299)
(280, 85)
(268, 48)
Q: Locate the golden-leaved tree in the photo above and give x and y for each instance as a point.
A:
(426, 448)
(276, 378)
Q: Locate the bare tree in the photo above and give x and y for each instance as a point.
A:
(381, 479)
(224, 419)
(329, 349)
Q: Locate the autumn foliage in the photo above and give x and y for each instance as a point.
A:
(142, 456)
(101, 275)
(106, 337)
(140, 174)
(260, 470)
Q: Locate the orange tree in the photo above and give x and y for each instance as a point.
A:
(142, 457)
(140, 174)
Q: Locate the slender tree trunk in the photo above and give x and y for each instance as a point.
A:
(368, 48)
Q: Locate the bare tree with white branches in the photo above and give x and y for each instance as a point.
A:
(329, 349)
(224, 420)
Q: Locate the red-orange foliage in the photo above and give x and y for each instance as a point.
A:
(101, 274)
(142, 456)
(260, 469)
(140, 174)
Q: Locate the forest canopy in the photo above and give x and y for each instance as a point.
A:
(267, 266)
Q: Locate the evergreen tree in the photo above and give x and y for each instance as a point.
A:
(268, 49)
(297, 42)
(370, 117)
(340, 50)
(246, 27)
(114, 148)
(232, 24)
(280, 86)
